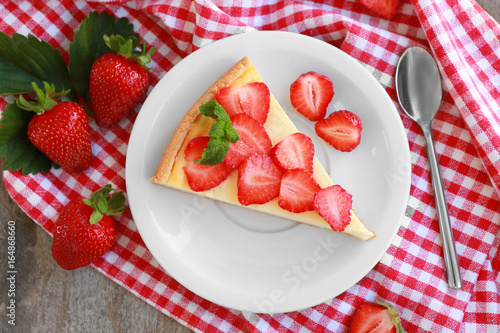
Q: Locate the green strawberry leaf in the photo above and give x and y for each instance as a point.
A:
(16, 150)
(88, 45)
(24, 60)
(117, 202)
(221, 133)
(105, 204)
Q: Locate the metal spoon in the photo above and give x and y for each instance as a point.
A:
(418, 86)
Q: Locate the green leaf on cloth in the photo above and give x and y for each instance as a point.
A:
(24, 60)
(17, 152)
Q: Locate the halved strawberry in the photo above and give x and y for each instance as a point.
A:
(296, 151)
(203, 177)
(310, 95)
(253, 139)
(376, 317)
(334, 204)
(253, 99)
(342, 130)
(297, 191)
(385, 8)
(258, 180)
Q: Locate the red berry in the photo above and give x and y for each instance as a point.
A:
(62, 133)
(385, 8)
(253, 140)
(297, 191)
(258, 180)
(310, 95)
(334, 204)
(342, 130)
(296, 151)
(83, 230)
(117, 85)
(376, 317)
(253, 99)
(202, 177)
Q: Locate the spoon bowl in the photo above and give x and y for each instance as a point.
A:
(418, 86)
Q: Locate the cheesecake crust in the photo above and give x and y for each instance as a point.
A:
(173, 148)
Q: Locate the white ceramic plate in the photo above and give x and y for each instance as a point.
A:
(251, 261)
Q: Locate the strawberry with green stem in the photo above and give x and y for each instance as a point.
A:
(85, 228)
(376, 317)
(59, 129)
(119, 80)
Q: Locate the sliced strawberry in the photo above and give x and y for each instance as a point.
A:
(334, 204)
(385, 8)
(258, 180)
(253, 140)
(296, 151)
(253, 99)
(376, 317)
(203, 177)
(310, 95)
(297, 191)
(342, 130)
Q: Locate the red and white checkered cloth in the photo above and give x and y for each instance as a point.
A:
(466, 43)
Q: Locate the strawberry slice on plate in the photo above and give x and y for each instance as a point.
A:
(334, 204)
(253, 99)
(253, 139)
(259, 180)
(296, 151)
(297, 191)
(376, 317)
(202, 177)
(342, 130)
(310, 95)
(385, 8)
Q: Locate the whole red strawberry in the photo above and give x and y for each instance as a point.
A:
(85, 229)
(119, 80)
(59, 129)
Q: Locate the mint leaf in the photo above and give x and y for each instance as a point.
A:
(88, 45)
(17, 152)
(221, 133)
(24, 60)
(215, 152)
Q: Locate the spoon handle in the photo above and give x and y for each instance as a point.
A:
(449, 252)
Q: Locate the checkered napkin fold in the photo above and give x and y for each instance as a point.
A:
(466, 44)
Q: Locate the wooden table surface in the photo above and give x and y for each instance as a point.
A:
(50, 299)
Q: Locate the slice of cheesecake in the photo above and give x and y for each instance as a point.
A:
(170, 172)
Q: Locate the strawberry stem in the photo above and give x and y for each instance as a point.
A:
(394, 315)
(127, 48)
(105, 204)
(46, 98)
